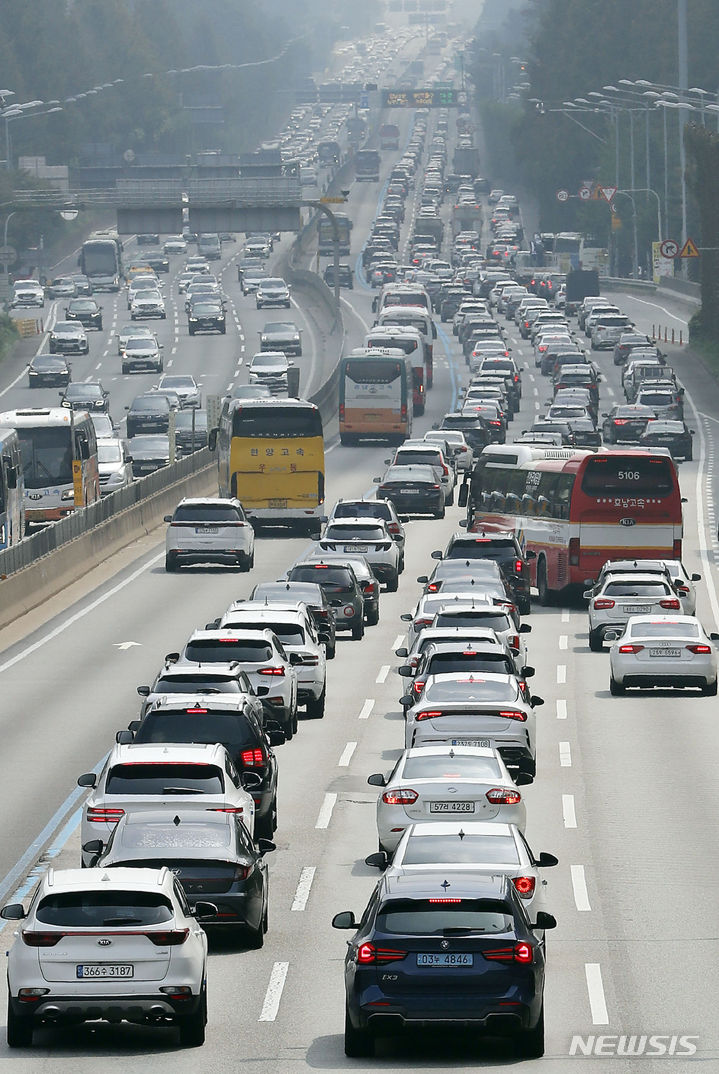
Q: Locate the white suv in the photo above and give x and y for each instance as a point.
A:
(209, 530)
(368, 537)
(117, 945)
(160, 776)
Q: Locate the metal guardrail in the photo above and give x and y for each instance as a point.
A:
(50, 538)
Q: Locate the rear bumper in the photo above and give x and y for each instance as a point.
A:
(513, 1009)
(150, 1007)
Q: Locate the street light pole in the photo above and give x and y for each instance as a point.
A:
(335, 244)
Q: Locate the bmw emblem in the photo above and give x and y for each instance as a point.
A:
(444, 945)
(104, 943)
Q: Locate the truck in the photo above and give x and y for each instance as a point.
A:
(389, 136)
(466, 216)
(466, 160)
(581, 284)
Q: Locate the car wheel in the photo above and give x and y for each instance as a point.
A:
(125, 369)
(596, 643)
(191, 331)
(525, 606)
(689, 455)
(358, 632)
(19, 1029)
(393, 583)
(316, 706)
(401, 565)
(265, 826)
(359, 1044)
(192, 1026)
(295, 720)
(440, 513)
(331, 651)
(545, 593)
(170, 563)
(256, 937)
(243, 562)
(710, 690)
(530, 1045)
(223, 330)
(616, 689)
(372, 617)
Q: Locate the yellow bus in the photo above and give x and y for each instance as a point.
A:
(271, 456)
(375, 395)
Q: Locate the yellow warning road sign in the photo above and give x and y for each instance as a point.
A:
(689, 249)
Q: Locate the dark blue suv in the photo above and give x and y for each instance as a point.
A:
(445, 950)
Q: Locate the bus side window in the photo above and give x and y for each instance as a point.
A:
(562, 495)
(529, 504)
(83, 446)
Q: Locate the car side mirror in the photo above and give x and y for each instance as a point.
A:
(124, 738)
(134, 726)
(423, 579)
(525, 628)
(250, 780)
(377, 780)
(530, 554)
(213, 625)
(405, 671)
(172, 658)
(545, 921)
(379, 860)
(401, 652)
(88, 779)
(407, 700)
(168, 518)
(611, 635)
(14, 911)
(345, 920)
(406, 618)
(276, 738)
(143, 691)
(536, 701)
(94, 847)
(523, 778)
(587, 594)
(696, 578)
(208, 909)
(436, 554)
(376, 480)
(266, 846)
(528, 672)
(684, 499)
(546, 861)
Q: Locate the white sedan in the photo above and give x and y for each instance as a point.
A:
(663, 650)
(439, 782)
(476, 846)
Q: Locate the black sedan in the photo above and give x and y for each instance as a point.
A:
(206, 315)
(414, 490)
(345, 276)
(86, 311)
(149, 413)
(586, 434)
(48, 371)
(85, 395)
(149, 452)
(626, 424)
(211, 854)
(281, 336)
(674, 435)
(190, 430)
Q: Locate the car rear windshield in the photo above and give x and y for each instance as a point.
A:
(197, 725)
(636, 589)
(470, 689)
(484, 548)
(288, 633)
(427, 917)
(358, 508)
(460, 766)
(444, 663)
(98, 909)
(163, 836)
(494, 620)
(635, 476)
(409, 458)
(164, 778)
(669, 631)
(349, 533)
(200, 684)
(467, 850)
(223, 650)
(656, 398)
(210, 512)
(332, 579)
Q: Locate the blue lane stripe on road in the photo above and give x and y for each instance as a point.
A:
(447, 347)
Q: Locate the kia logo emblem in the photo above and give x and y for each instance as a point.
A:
(104, 943)
(626, 522)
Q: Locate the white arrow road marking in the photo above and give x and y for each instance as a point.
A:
(126, 644)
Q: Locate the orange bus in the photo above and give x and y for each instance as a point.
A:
(375, 395)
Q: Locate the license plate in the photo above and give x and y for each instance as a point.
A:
(278, 503)
(104, 969)
(472, 742)
(451, 807)
(206, 529)
(409, 492)
(445, 958)
(637, 609)
(356, 547)
(665, 652)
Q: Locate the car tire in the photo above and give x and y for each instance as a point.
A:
(359, 1043)
(331, 651)
(530, 1045)
(689, 455)
(192, 1026)
(256, 937)
(295, 720)
(243, 562)
(596, 643)
(525, 606)
(19, 1029)
(372, 617)
(191, 331)
(393, 583)
(710, 690)
(223, 330)
(316, 705)
(616, 689)
(401, 566)
(545, 593)
(125, 370)
(265, 826)
(440, 513)
(358, 632)
(170, 563)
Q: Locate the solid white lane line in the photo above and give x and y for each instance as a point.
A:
(382, 673)
(366, 709)
(565, 615)
(595, 988)
(610, 391)
(346, 755)
(273, 995)
(579, 885)
(174, 350)
(230, 386)
(325, 814)
(565, 755)
(398, 641)
(304, 884)
(561, 673)
(568, 811)
(563, 641)
(561, 709)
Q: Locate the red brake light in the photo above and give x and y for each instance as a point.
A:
(602, 604)
(513, 714)
(418, 686)
(671, 604)
(393, 527)
(428, 715)
(102, 815)
(525, 885)
(513, 641)
(173, 938)
(253, 758)
(433, 587)
(272, 671)
(518, 566)
(699, 649)
(621, 421)
(403, 796)
(631, 648)
(519, 952)
(231, 640)
(41, 939)
(367, 954)
(195, 712)
(503, 796)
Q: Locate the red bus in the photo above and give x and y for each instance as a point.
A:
(577, 509)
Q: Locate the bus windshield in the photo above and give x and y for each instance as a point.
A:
(628, 476)
(368, 371)
(46, 456)
(276, 422)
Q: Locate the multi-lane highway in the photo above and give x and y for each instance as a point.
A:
(625, 795)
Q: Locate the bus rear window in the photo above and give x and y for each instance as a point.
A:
(276, 421)
(369, 371)
(628, 476)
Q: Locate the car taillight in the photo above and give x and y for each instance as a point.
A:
(41, 939)
(418, 686)
(518, 566)
(672, 604)
(433, 587)
(342, 412)
(368, 954)
(420, 623)
(100, 815)
(699, 649)
(633, 649)
(519, 952)
(524, 885)
(252, 758)
(496, 424)
(621, 421)
(445, 469)
(225, 809)
(574, 551)
(513, 641)
(271, 671)
(503, 796)
(403, 796)
(428, 715)
(171, 938)
(393, 527)
(602, 603)
(513, 714)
